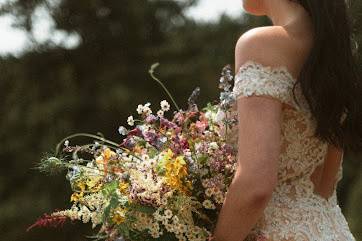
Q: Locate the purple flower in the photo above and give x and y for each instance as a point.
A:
(135, 132)
(128, 143)
(178, 145)
(168, 124)
(150, 137)
(184, 144)
(150, 119)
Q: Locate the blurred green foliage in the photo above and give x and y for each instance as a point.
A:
(49, 92)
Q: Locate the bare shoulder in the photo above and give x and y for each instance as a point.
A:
(272, 34)
(271, 46)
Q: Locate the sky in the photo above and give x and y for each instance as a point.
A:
(13, 40)
(210, 10)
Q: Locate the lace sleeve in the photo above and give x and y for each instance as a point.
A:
(256, 79)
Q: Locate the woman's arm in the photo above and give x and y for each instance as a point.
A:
(258, 152)
(255, 177)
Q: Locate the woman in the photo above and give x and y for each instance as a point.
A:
(299, 106)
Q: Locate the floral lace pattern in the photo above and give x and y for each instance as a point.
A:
(295, 212)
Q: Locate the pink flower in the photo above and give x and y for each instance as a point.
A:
(179, 118)
(201, 126)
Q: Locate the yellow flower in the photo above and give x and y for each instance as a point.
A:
(107, 153)
(123, 187)
(118, 219)
(169, 153)
(93, 183)
(166, 157)
(76, 196)
(119, 215)
(80, 186)
(176, 172)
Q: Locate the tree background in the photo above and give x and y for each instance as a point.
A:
(50, 91)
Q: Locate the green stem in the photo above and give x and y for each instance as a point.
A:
(151, 71)
(84, 135)
(226, 124)
(115, 145)
(69, 165)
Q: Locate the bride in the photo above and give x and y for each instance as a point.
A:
(297, 90)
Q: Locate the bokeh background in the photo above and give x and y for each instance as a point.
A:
(82, 66)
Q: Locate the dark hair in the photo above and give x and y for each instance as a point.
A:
(329, 78)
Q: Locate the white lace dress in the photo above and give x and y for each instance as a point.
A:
(295, 212)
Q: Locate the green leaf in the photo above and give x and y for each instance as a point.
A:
(113, 203)
(143, 209)
(110, 188)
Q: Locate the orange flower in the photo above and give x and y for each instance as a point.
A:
(103, 159)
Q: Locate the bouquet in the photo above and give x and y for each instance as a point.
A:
(166, 180)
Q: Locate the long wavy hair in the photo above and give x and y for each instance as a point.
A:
(330, 79)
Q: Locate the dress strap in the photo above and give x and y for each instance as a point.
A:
(253, 79)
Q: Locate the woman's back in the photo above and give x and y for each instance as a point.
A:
(295, 45)
(304, 203)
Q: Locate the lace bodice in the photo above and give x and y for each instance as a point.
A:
(294, 212)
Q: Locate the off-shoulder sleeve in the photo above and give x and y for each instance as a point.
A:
(256, 79)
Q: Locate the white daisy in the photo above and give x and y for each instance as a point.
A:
(165, 106)
(160, 113)
(139, 109)
(130, 121)
(208, 204)
(175, 219)
(208, 192)
(168, 213)
(145, 157)
(146, 110)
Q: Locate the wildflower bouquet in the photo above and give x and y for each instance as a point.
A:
(167, 179)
